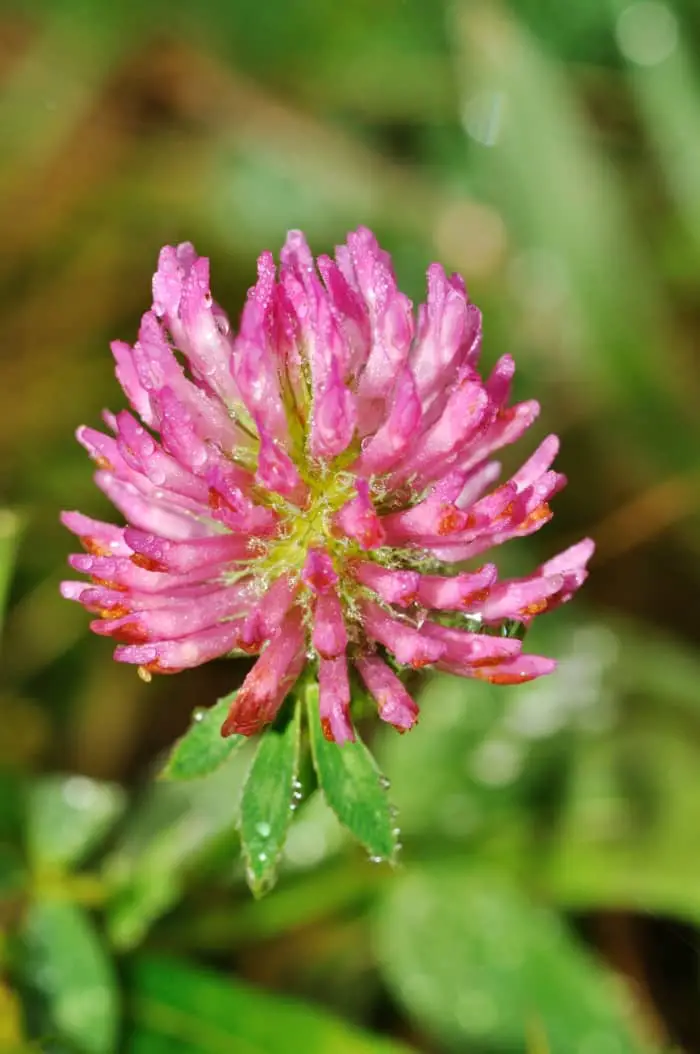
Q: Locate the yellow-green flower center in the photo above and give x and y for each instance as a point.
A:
(311, 527)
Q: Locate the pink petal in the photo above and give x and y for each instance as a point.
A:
(128, 377)
(460, 593)
(395, 587)
(155, 553)
(122, 574)
(394, 703)
(175, 655)
(334, 700)
(350, 313)
(276, 470)
(148, 512)
(357, 519)
(428, 521)
(318, 572)
(520, 598)
(449, 333)
(272, 677)
(410, 646)
(141, 452)
(463, 650)
(464, 412)
(392, 439)
(516, 671)
(334, 417)
(329, 635)
(101, 539)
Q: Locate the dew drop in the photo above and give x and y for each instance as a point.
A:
(199, 714)
(80, 792)
(384, 782)
(376, 859)
(263, 828)
(262, 857)
(157, 477)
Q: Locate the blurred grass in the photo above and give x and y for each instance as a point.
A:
(549, 152)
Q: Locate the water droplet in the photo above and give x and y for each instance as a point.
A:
(384, 782)
(263, 828)
(482, 116)
(80, 792)
(376, 859)
(262, 857)
(647, 32)
(157, 477)
(497, 762)
(199, 714)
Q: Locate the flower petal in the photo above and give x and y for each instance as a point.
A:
(394, 703)
(334, 700)
(267, 684)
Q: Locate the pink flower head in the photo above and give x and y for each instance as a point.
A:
(316, 485)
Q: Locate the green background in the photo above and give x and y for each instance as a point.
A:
(549, 887)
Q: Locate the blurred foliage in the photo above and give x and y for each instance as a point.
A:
(547, 895)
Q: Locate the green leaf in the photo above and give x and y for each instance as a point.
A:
(626, 837)
(176, 829)
(270, 796)
(180, 1010)
(64, 961)
(11, 1021)
(203, 749)
(67, 816)
(354, 788)
(13, 877)
(476, 963)
(10, 527)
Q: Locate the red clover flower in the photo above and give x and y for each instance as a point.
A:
(315, 488)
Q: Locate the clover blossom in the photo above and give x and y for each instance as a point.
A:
(316, 488)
